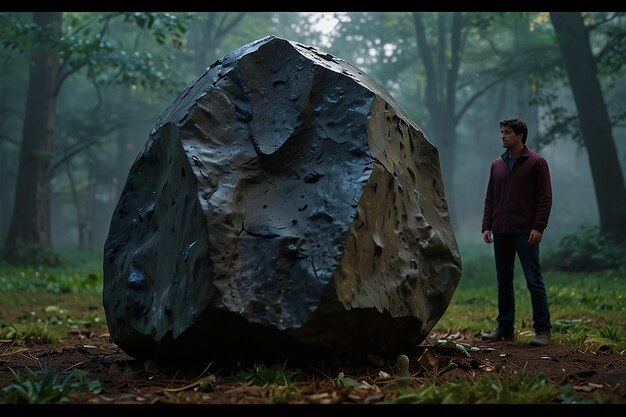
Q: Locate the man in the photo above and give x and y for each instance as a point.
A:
(516, 212)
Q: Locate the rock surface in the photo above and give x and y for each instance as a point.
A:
(284, 203)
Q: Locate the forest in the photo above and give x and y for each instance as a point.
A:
(64, 156)
(81, 91)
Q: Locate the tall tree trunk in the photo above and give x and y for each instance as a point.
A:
(441, 79)
(3, 186)
(4, 172)
(30, 222)
(80, 219)
(90, 199)
(595, 125)
(524, 109)
(122, 151)
(211, 35)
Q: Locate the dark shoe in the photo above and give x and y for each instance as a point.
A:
(541, 339)
(499, 334)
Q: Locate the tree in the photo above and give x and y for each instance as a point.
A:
(595, 125)
(56, 55)
(213, 28)
(13, 82)
(442, 64)
(31, 212)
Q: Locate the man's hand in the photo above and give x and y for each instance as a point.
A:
(487, 236)
(535, 237)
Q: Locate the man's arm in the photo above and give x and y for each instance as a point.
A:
(544, 197)
(488, 210)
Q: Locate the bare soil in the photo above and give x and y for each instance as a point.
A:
(128, 381)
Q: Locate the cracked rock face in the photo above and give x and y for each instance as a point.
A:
(284, 203)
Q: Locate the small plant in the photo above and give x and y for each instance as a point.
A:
(521, 390)
(37, 332)
(47, 387)
(262, 375)
(346, 382)
(607, 338)
(575, 338)
(277, 382)
(402, 364)
(612, 333)
(282, 394)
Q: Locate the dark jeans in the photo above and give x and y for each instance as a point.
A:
(505, 246)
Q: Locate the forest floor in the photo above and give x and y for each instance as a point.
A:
(125, 380)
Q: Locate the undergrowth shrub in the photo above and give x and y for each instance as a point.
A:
(22, 253)
(586, 250)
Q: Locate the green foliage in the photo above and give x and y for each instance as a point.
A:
(284, 394)
(47, 386)
(162, 25)
(261, 375)
(606, 34)
(610, 338)
(109, 60)
(519, 390)
(346, 382)
(23, 253)
(583, 334)
(276, 379)
(585, 251)
(70, 277)
(88, 42)
(18, 34)
(24, 333)
(522, 390)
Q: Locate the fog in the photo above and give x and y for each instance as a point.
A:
(107, 120)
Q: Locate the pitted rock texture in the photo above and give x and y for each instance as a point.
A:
(284, 203)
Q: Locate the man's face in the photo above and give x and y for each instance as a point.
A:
(510, 139)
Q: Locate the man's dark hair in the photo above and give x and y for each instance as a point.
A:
(518, 126)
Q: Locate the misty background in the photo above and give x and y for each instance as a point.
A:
(457, 74)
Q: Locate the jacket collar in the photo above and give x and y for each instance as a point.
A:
(524, 154)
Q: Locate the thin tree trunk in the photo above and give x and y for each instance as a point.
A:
(524, 108)
(80, 220)
(441, 93)
(90, 200)
(595, 124)
(30, 222)
(211, 35)
(4, 208)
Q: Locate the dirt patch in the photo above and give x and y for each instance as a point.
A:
(128, 381)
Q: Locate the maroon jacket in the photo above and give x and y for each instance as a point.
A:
(519, 200)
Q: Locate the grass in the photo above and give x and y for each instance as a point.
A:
(587, 309)
(48, 386)
(523, 390)
(261, 374)
(56, 298)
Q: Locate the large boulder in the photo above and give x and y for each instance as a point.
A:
(283, 204)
